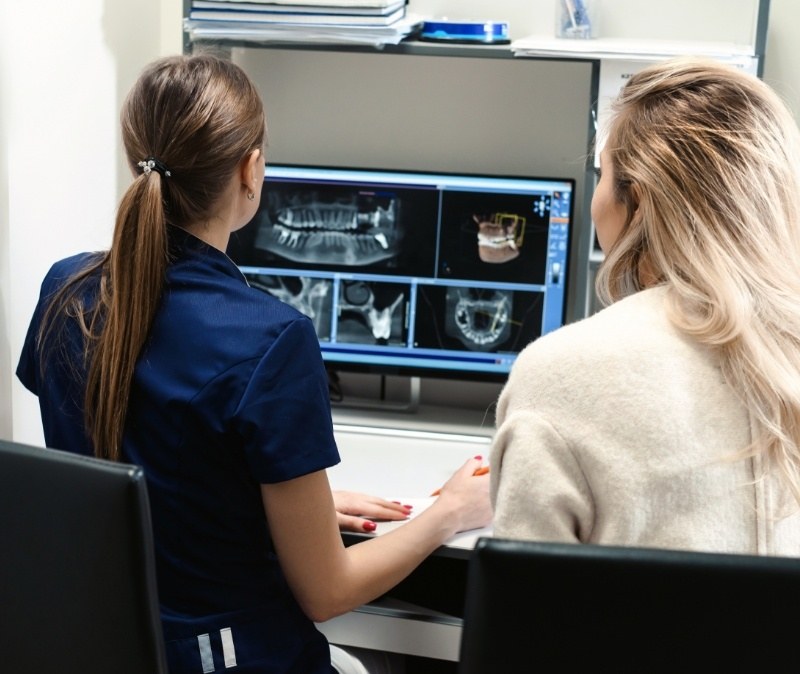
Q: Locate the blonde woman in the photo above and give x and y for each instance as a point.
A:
(671, 418)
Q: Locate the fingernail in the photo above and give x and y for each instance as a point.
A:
(479, 457)
(369, 526)
(408, 507)
(397, 502)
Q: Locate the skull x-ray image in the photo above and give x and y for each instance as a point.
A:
(334, 226)
(479, 319)
(372, 313)
(310, 296)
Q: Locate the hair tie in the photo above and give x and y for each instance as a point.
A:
(151, 163)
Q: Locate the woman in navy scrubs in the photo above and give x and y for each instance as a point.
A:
(158, 353)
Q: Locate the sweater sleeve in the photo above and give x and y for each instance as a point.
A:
(538, 489)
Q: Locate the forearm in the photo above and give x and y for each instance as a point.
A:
(328, 579)
(375, 566)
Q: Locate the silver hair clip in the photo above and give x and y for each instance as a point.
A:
(151, 163)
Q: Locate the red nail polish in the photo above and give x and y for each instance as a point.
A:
(369, 526)
(408, 507)
(479, 457)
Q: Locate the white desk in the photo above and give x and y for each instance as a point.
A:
(402, 462)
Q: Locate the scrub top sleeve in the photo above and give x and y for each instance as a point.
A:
(284, 416)
(27, 367)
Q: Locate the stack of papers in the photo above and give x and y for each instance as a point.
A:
(338, 21)
(624, 48)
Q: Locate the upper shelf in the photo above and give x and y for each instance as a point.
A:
(630, 49)
(302, 40)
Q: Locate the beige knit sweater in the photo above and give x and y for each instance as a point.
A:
(618, 430)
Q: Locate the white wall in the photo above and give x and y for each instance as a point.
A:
(783, 52)
(64, 69)
(722, 20)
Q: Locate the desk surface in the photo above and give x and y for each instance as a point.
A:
(405, 464)
(405, 457)
(427, 418)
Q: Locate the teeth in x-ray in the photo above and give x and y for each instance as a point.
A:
(358, 297)
(497, 242)
(479, 323)
(326, 216)
(332, 234)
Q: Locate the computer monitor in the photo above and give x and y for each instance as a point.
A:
(413, 273)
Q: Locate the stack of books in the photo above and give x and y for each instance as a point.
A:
(373, 21)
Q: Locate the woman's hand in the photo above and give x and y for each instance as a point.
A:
(356, 512)
(466, 493)
(328, 578)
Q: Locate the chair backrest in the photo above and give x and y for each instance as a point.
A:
(77, 572)
(548, 607)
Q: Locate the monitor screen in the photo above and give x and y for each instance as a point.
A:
(413, 273)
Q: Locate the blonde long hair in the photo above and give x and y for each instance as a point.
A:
(707, 161)
(198, 116)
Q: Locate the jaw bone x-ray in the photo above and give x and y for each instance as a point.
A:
(337, 226)
(480, 320)
(372, 312)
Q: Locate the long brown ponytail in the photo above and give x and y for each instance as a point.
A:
(195, 117)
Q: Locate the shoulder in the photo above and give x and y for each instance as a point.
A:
(630, 345)
(618, 331)
(215, 317)
(75, 263)
(260, 309)
(62, 271)
(205, 285)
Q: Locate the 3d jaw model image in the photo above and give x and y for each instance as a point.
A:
(351, 230)
(499, 236)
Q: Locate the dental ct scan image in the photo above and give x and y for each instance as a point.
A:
(476, 319)
(494, 237)
(401, 271)
(372, 313)
(382, 229)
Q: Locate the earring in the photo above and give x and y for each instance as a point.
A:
(251, 196)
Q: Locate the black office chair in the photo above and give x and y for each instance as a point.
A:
(546, 607)
(77, 573)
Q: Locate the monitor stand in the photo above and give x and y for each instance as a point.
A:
(410, 405)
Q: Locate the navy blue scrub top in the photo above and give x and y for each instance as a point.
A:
(228, 393)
